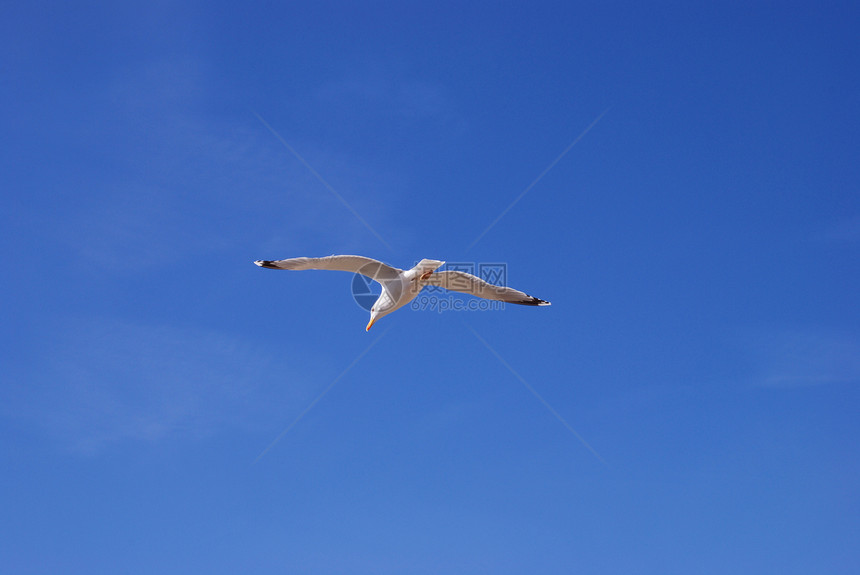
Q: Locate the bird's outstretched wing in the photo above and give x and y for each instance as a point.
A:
(374, 269)
(467, 283)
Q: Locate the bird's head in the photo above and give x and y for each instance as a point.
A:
(374, 315)
(383, 306)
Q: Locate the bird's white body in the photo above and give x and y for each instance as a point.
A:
(401, 290)
(399, 287)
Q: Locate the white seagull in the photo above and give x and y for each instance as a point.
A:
(399, 287)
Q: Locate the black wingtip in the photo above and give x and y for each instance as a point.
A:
(266, 264)
(531, 301)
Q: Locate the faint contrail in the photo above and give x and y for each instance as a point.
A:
(542, 174)
(537, 395)
(320, 396)
(322, 180)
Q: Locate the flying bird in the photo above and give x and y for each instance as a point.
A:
(399, 287)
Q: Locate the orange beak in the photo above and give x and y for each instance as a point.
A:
(370, 324)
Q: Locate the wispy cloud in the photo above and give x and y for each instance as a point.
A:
(846, 230)
(167, 173)
(136, 228)
(103, 382)
(801, 358)
(383, 91)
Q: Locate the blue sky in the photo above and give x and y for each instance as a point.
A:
(698, 369)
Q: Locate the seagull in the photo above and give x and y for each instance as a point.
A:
(399, 287)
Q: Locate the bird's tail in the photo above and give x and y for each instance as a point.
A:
(425, 266)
